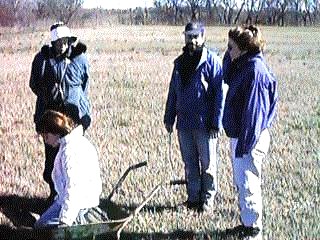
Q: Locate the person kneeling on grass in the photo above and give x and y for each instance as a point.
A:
(76, 173)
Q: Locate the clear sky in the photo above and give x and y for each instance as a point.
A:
(117, 4)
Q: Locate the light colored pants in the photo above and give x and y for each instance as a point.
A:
(199, 153)
(247, 179)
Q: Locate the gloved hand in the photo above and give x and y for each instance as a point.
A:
(169, 128)
(214, 132)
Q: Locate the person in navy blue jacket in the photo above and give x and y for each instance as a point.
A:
(60, 80)
(250, 108)
(195, 102)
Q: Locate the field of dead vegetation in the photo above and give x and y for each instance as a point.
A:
(130, 73)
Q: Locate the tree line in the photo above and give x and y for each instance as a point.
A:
(171, 12)
(270, 12)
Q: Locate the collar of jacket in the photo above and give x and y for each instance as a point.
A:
(188, 65)
(74, 134)
(76, 48)
(204, 56)
(231, 68)
(242, 60)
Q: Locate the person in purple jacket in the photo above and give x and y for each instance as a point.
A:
(195, 98)
(250, 108)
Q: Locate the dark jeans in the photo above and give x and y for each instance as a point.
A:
(50, 155)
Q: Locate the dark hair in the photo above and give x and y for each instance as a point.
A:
(57, 24)
(248, 38)
(56, 123)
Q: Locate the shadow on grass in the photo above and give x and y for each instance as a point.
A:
(160, 208)
(17, 209)
(148, 208)
(28, 234)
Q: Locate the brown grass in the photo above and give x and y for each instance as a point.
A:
(130, 73)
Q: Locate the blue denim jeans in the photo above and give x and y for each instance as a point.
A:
(50, 218)
(199, 153)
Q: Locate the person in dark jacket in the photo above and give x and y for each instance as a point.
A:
(60, 80)
(250, 108)
(195, 98)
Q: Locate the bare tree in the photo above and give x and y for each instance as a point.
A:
(239, 12)
(12, 6)
(165, 9)
(311, 11)
(63, 10)
(229, 7)
(172, 9)
(272, 11)
(195, 7)
(254, 9)
(316, 12)
(282, 5)
(212, 10)
(177, 8)
(209, 8)
(13, 12)
(40, 9)
(296, 6)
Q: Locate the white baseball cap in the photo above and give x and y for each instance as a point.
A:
(60, 30)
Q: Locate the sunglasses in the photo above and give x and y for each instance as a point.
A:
(192, 35)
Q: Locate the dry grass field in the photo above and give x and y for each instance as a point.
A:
(130, 72)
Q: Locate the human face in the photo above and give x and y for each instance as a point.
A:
(193, 41)
(51, 139)
(233, 49)
(60, 45)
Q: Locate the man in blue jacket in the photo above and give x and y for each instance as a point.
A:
(60, 80)
(195, 98)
